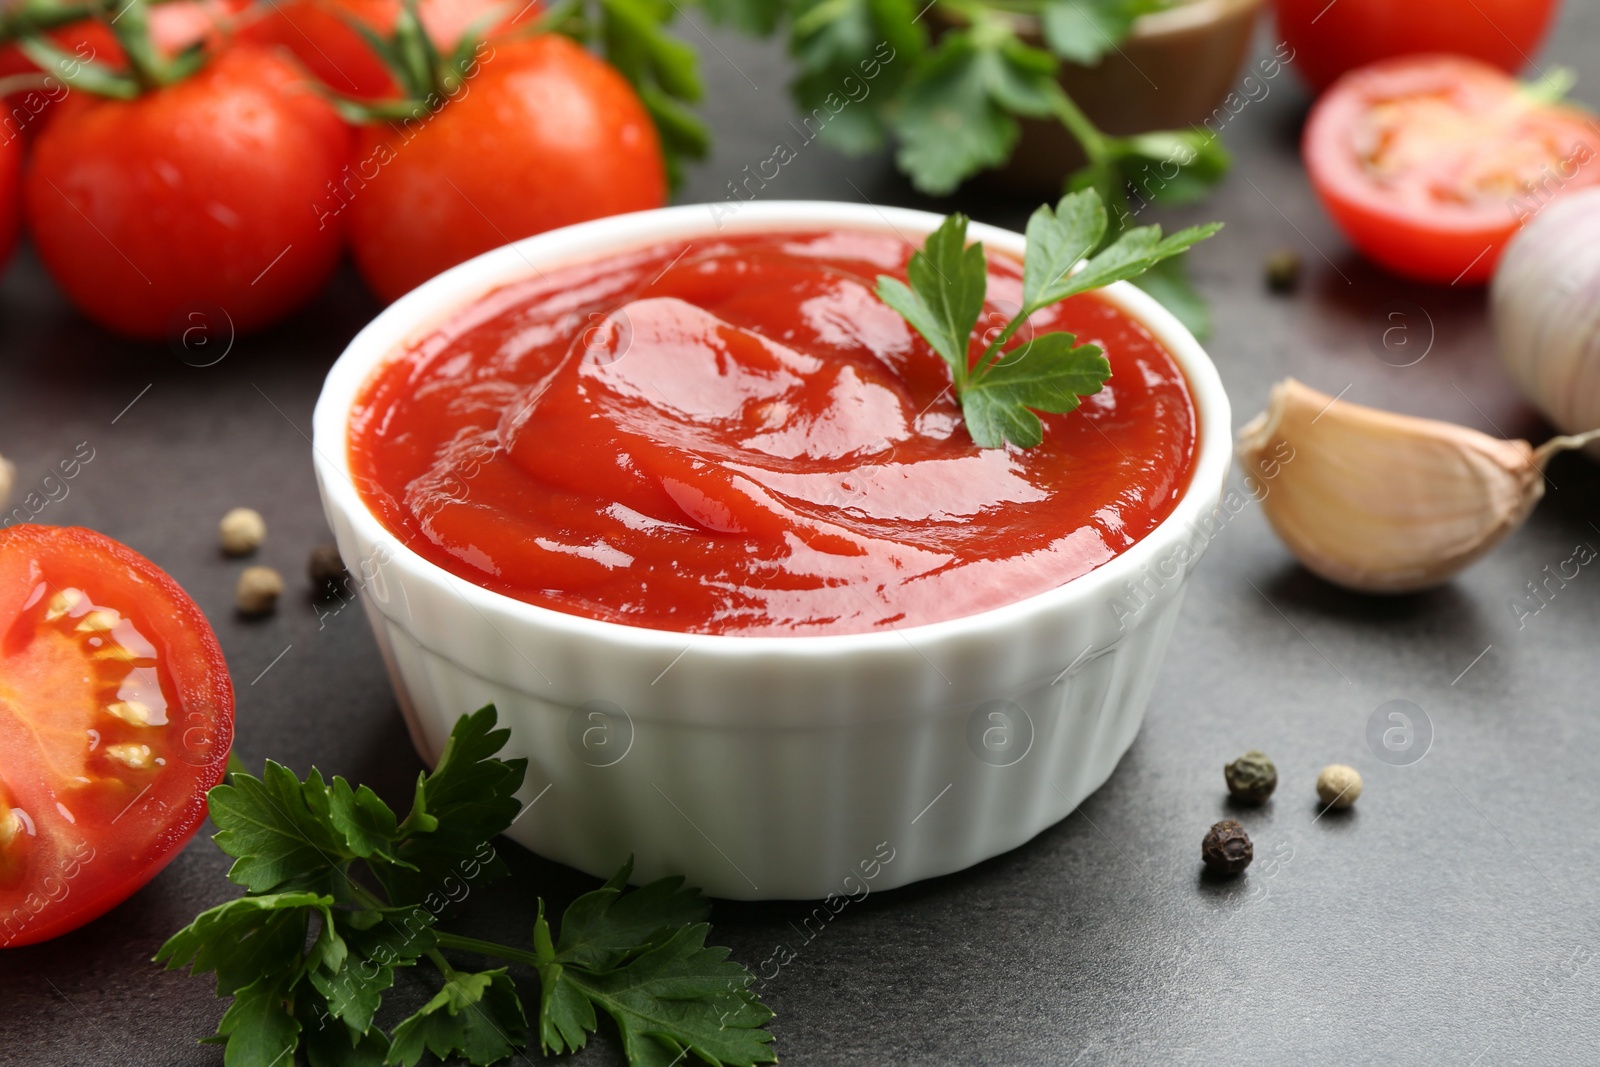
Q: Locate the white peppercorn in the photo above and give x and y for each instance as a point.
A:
(1338, 786)
(258, 591)
(242, 531)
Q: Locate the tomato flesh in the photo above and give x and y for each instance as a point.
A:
(116, 716)
(1429, 164)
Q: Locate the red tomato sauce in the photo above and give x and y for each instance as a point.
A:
(737, 437)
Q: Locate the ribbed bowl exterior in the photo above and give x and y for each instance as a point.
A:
(775, 767)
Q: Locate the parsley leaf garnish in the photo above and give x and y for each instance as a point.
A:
(342, 893)
(475, 1016)
(957, 110)
(1001, 389)
(671, 999)
(1085, 30)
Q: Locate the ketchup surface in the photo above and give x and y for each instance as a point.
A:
(737, 437)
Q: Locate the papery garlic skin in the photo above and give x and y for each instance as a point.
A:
(1545, 306)
(1386, 503)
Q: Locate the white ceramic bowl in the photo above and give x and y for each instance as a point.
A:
(775, 767)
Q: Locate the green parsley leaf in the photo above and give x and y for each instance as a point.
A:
(853, 56)
(366, 823)
(1168, 281)
(469, 798)
(664, 70)
(353, 988)
(683, 134)
(1049, 373)
(955, 115)
(1130, 255)
(945, 297)
(308, 970)
(1172, 167)
(245, 938)
(260, 1028)
(1057, 241)
(601, 929)
(641, 957)
(476, 1016)
(677, 998)
(278, 832)
(1001, 392)
(330, 1043)
(759, 17)
(1083, 31)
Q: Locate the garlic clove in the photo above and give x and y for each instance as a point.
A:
(1386, 503)
(8, 478)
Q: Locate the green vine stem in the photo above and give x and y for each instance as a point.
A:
(34, 17)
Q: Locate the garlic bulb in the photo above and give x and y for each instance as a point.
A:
(1545, 304)
(1385, 503)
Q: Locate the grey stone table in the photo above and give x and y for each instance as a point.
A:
(1450, 918)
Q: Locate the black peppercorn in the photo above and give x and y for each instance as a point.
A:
(1226, 848)
(328, 576)
(1283, 271)
(1252, 777)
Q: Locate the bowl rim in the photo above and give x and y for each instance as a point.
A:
(419, 312)
(1196, 14)
(1183, 17)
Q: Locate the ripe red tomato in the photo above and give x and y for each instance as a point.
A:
(542, 135)
(1430, 163)
(317, 32)
(202, 193)
(173, 27)
(1331, 38)
(10, 196)
(116, 716)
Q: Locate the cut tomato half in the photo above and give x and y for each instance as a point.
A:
(116, 717)
(1429, 164)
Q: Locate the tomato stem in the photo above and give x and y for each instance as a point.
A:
(39, 16)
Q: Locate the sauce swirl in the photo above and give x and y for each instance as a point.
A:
(738, 437)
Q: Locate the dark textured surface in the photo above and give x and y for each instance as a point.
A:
(1449, 918)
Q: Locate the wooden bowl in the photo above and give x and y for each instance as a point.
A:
(1172, 72)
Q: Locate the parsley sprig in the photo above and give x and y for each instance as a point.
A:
(342, 894)
(1001, 389)
(949, 83)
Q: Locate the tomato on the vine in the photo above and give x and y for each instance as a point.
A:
(116, 716)
(205, 193)
(1331, 38)
(1430, 163)
(173, 28)
(319, 34)
(541, 135)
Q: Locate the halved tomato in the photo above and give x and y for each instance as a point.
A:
(1430, 163)
(116, 716)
